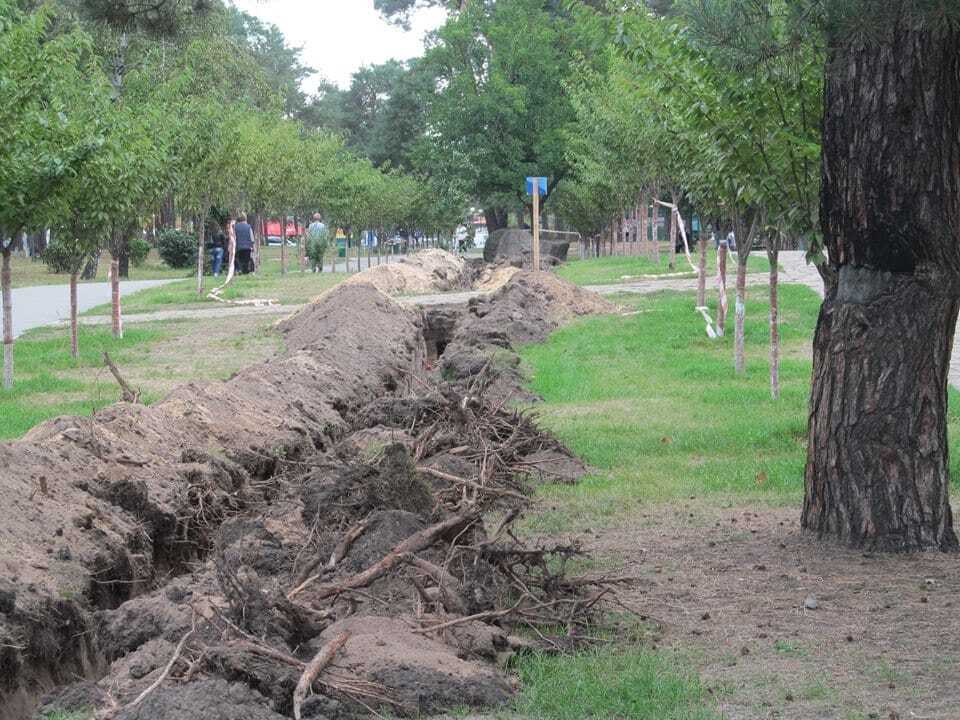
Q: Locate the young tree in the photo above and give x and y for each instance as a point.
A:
(43, 142)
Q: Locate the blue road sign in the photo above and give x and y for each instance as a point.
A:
(541, 182)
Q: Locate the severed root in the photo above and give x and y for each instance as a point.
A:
(314, 668)
(166, 671)
(416, 542)
(447, 585)
(128, 393)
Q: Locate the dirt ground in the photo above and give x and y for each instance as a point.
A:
(729, 589)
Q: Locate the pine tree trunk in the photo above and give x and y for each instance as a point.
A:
(117, 322)
(740, 311)
(877, 470)
(74, 343)
(773, 254)
(702, 278)
(6, 283)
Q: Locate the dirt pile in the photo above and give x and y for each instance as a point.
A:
(525, 310)
(99, 509)
(515, 247)
(427, 271)
(307, 536)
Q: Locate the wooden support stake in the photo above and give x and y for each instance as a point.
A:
(536, 224)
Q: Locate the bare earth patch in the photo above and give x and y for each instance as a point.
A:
(732, 589)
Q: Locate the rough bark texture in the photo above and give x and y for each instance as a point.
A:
(74, 344)
(877, 468)
(6, 282)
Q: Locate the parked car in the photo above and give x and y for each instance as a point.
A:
(271, 229)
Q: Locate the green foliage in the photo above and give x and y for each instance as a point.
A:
(139, 249)
(62, 257)
(177, 248)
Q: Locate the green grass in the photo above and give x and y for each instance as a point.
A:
(655, 407)
(46, 382)
(154, 358)
(609, 270)
(610, 683)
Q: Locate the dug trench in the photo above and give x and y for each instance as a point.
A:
(326, 535)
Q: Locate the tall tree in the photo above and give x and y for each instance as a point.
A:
(877, 472)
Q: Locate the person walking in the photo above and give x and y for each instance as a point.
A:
(218, 245)
(244, 235)
(317, 240)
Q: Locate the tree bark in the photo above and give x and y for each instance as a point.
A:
(74, 343)
(740, 315)
(722, 289)
(496, 219)
(117, 321)
(91, 268)
(877, 470)
(702, 278)
(6, 283)
(674, 232)
(201, 241)
(773, 255)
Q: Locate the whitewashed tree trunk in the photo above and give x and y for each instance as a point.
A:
(6, 282)
(74, 342)
(740, 309)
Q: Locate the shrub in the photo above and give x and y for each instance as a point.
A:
(139, 250)
(177, 249)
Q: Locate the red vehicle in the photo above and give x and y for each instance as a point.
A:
(271, 229)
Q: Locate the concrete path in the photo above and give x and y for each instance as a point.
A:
(49, 304)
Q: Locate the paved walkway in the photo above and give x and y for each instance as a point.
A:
(49, 304)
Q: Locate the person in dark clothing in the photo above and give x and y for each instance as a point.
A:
(244, 235)
(218, 246)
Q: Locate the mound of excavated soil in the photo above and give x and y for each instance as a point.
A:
(186, 561)
(515, 247)
(96, 510)
(427, 271)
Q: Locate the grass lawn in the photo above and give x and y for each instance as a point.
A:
(609, 270)
(610, 683)
(27, 272)
(154, 357)
(293, 289)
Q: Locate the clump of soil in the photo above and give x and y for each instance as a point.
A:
(514, 247)
(426, 271)
(235, 533)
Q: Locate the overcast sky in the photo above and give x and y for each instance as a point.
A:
(340, 36)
